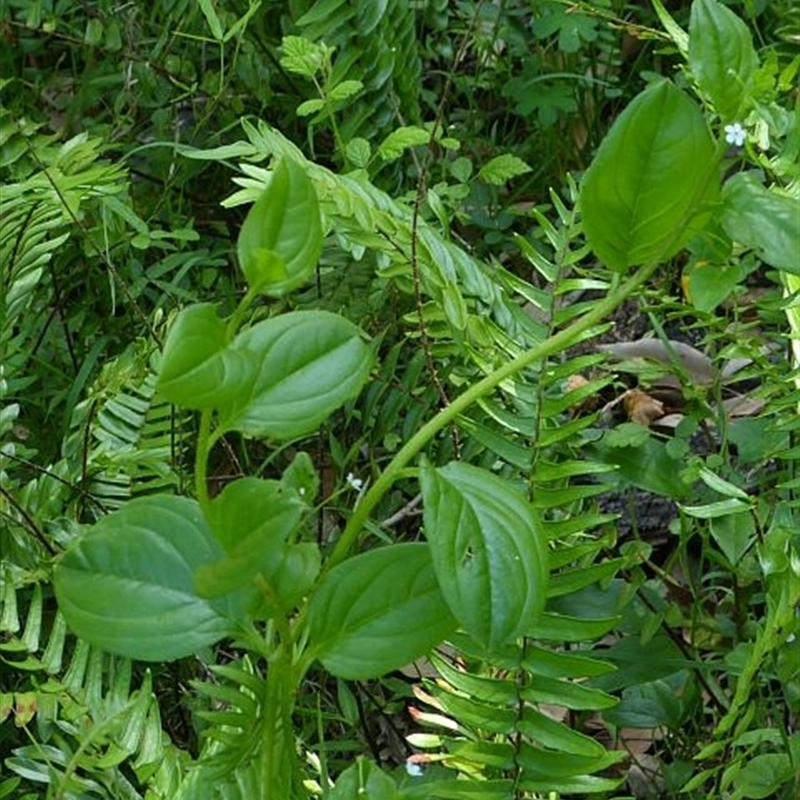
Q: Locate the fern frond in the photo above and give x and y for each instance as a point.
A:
(127, 439)
(81, 701)
(236, 704)
(375, 43)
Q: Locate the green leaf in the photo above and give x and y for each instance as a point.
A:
(358, 151)
(721, 56)
(363, 781)
(370, 14)
(309, 364)
(281, 239)
(503, 168)
(393, 146)
(653, 704)
(345, 89)
(710, 284)
(561, 628)
(721, 486)
(127, 586)
(733, 534)
(250, 514)
(291, 570)
(288, 572)
(720, 508)
(250, 518)
(652, 175)
(302, 56)
(209, 12)
(764, 220)
(676, 33)
(763, 775)
(302, 476)
(198, 369)
(308, 107)
(378, 611)
(488, 551)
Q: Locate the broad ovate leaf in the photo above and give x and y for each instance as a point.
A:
(762, 219)
(198, 368)
(309, 364)
(281, 239)
(488, 551)
(250, 519)
(128, 585)
(250, 514)
(652, 182)
(377, 612)
(721, 56)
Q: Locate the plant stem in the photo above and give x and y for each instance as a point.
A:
(554, 344)
(201, 461)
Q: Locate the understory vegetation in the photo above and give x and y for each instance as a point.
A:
(399, 399)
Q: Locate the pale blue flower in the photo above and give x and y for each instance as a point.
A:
(735, 134)
(414, 769)
(355, 483)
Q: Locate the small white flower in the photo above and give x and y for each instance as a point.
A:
(735, 134)
(414, 770)
(355, 483)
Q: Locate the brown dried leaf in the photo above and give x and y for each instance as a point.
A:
(641, 408)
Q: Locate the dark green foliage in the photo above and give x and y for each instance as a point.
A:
(377, 43)
(425, 149)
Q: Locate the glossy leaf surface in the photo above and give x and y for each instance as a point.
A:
(721, 56)
(281, 239)
(651, 176)
(308, 364)
(488, 551)
(378, 611)
(128, 585)
(198, 368)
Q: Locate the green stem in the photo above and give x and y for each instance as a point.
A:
(278, 756)
(201, 461)
(446, 416)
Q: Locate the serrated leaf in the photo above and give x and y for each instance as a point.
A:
(198, 368)
(502, 169)
(358, 151)
(721, 56)
(281, 239)
(309, 364)
(378, 611)
(393, 146)
(302, 56)
(653, 175)
(127, 586)
(488, 551)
